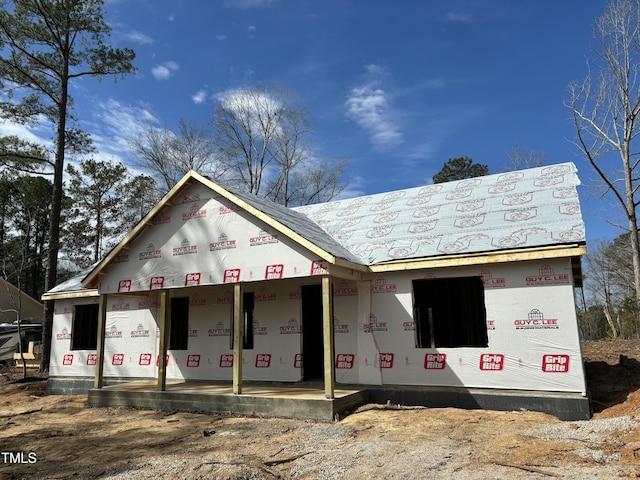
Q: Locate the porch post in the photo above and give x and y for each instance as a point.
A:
(102, 321)
(238, 336)
(327, 327)
(162, 350)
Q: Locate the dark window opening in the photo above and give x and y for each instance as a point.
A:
(179, 324)
(84, 328)
(247, 307)
(450, 312)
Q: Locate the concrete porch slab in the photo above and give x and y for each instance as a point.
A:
(269, 400)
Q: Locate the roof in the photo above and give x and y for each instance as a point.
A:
(72, 285)
(521, 209)
(511, 211)
(301, 224)
(10, 297)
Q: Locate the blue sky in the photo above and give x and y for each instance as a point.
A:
(397, 87)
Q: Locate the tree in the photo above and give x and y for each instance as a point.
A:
(47, 45)
(263, 137)
(311, 182)
(606, 108)
(246, 124)
(94, 220)
(601, 285)
(25, 202)
(7, 191)
(139, 195)
(609, 283)
(26, 208)
(459, 169)
(593, 324)
(168, 156)
(519, 158)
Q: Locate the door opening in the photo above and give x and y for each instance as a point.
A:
(312, 335)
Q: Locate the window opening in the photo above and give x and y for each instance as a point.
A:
(450, 312)
(84, 328)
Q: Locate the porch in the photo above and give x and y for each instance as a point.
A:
(302, 401)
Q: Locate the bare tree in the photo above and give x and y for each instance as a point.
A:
(264, 138)
(600, 283)
(290, 149)
(247, 122)
(606, 108)
(315, 181)
(519, 158)
(169, 155)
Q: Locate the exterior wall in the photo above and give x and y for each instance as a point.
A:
(131, 343)
(205, 240)
(531, 321)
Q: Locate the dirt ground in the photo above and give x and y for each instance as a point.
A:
(59, 437)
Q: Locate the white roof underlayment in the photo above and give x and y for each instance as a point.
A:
(521, 209)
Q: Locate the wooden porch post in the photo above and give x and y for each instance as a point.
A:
(327, 327)
(238, 336)
(102, 321)
(162, 350)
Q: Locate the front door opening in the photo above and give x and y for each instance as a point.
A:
(312, 344)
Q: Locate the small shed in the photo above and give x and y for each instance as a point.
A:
(457, 294)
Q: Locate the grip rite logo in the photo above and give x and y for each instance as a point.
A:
(145, 359)
(435, 361)
(263, 360)
(345, 360)
(491, 361)
(385, 360)
(226, 361)
(231, 275)
(555, 363)
(274, 271)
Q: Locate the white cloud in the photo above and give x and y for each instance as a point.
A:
(199, 97)
(459, 17)
(138, 37)
(373, 69)
(113, 126)
(221, 37)
(368, 105)
(249, 104)
(247, 100)
(420, 152)
(164, 71)
(355, 188)
(249, 3)
(28, 134)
